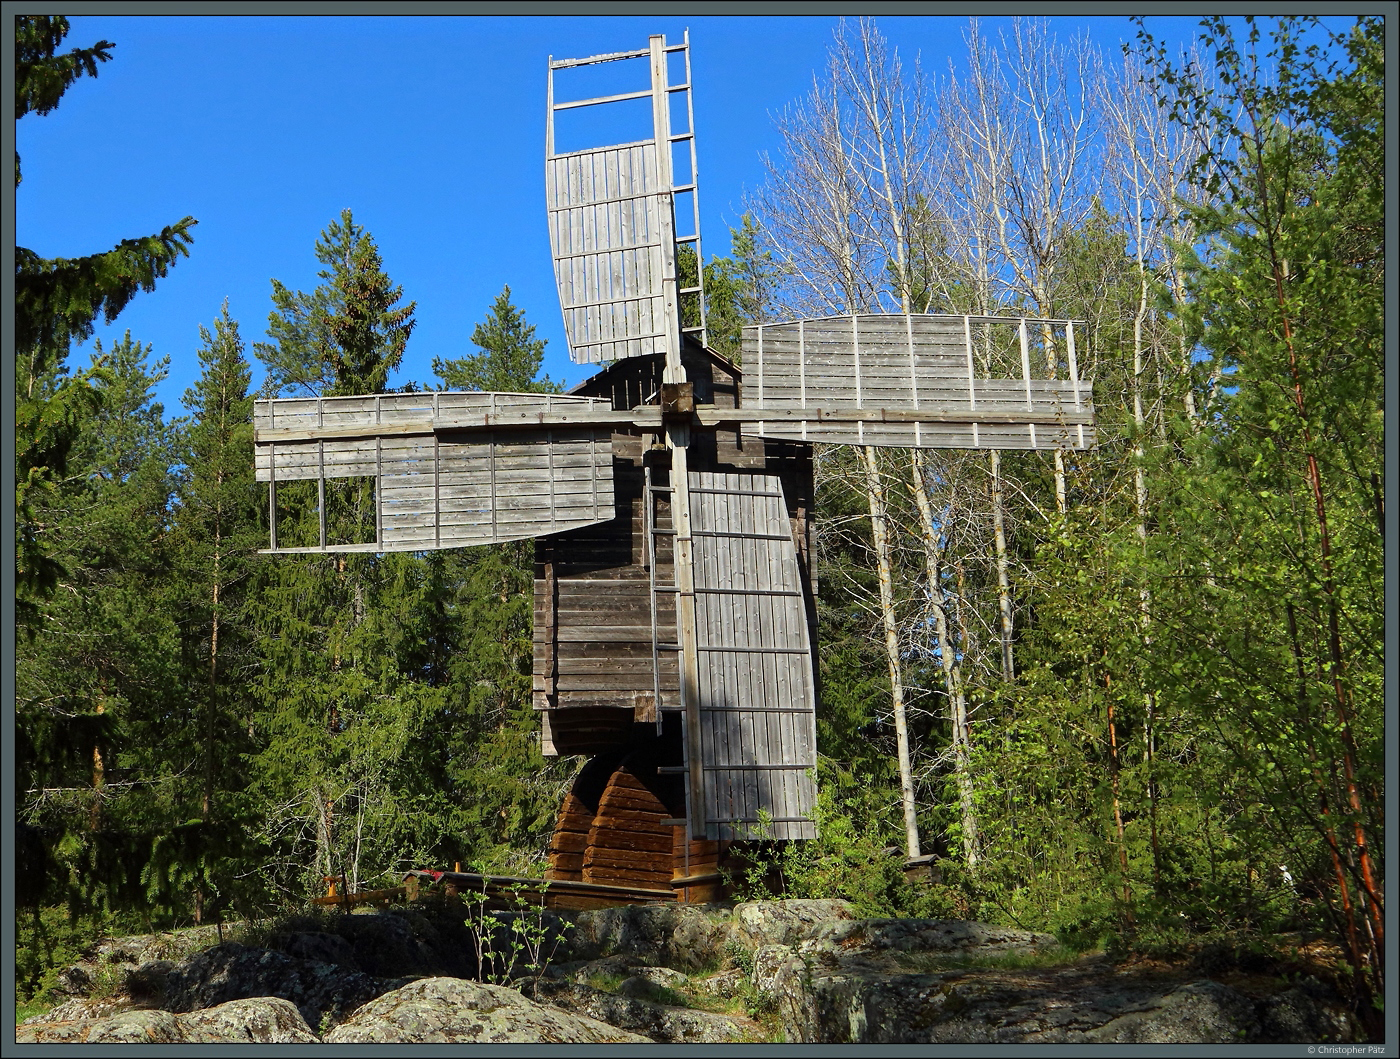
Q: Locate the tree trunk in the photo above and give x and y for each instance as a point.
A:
(952, 670)
(880, 532)
(1008, 669)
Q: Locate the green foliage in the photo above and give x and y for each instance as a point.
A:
(738, 289)
(50, 939)
(57, 301)
(510, 356)
(346, 336)
(41, 75)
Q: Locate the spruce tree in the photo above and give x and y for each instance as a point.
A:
(98, 703)
(339, 711)
(57, 301)
(510, 356)
(218, 532)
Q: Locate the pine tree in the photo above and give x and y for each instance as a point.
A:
(346, 336)
(510, 357)
(57, 301)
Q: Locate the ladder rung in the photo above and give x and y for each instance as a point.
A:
(678, 137)
(673, 770)
(571, 104)
(677, 88)
(689, 290)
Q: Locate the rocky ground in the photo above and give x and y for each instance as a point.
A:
(800, 971)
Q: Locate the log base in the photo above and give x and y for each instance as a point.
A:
(615, 828)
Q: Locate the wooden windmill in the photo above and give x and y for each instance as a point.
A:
(670, 496)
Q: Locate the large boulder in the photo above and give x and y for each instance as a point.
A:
(687, 937)
(259, 1020)
(759, 923)
(639, 1005)
(322, 992)
(857, 1001)
(453, 1011)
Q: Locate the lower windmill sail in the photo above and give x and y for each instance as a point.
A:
(919, 381)
(757, 691)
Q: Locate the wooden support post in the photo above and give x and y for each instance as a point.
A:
(677, 438)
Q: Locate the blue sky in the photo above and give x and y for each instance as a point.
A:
(430, 129)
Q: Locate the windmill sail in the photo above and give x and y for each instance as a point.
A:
(972, 377)
(612, 224)
(758, 737)
(449, 470)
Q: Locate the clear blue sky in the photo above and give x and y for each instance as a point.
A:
(430, 129)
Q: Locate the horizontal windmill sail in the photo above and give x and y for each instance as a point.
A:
(918, 381)
(444, 470)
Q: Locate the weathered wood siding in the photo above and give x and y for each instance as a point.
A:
(757, 686)
(606, 234)
(436, 488)
(596, 669)
(958, 364)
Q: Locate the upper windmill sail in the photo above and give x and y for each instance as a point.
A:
(612, 221)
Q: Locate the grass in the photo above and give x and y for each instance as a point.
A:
(27, 1009)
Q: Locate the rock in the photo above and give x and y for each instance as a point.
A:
(877, 938)
(1088, 1002)
(1202, 1012)
(582, 971)
(107, 965)
(759, 923)
(257, 1020)
(82, 1008)
(234, 972)
(73, 981)
(149, 984)
(317, 946)
(1302, 1015)
(127, 1027)
(769, 964)
(452, 1011)
(636, 1012)
(725, 984)
(261, 1020)
(652, 977)
(683, 936)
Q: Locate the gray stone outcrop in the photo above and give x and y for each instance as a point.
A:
(456, 1011)
(260, 1020)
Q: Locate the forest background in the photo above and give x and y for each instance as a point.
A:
(1143, 684)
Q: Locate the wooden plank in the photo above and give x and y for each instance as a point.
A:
(756, 653)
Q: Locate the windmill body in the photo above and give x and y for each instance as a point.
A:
(671, 499)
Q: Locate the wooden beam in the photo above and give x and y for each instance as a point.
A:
(648, 417)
